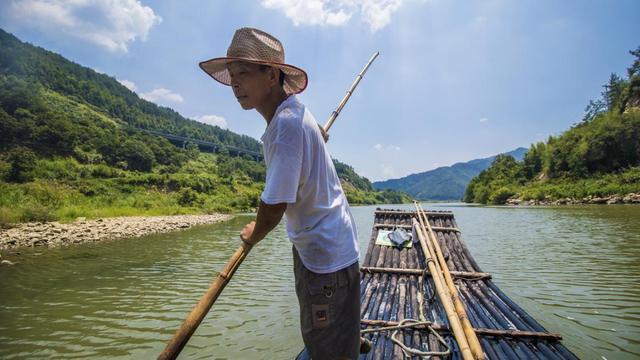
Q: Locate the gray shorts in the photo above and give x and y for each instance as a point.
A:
(329, 311)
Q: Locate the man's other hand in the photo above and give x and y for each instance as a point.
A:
(247, 232)
(325, 135)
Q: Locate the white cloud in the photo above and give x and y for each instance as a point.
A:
(112, 24)
(212, 120)
(376, 13)
(128, 84)
(484, 119)
(162, 95)
(381, 147)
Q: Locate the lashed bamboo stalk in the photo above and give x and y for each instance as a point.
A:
(443, 294)
(474, 343)
(481, 331)
(405, 271)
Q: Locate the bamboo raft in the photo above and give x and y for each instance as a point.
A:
(397, 285)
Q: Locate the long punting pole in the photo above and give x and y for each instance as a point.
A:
(336, 112)
(469, 332)
(201, 309)
(443, 294)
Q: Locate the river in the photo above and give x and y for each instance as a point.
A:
(576, 269)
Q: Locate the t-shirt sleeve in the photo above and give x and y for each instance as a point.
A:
(285, 167)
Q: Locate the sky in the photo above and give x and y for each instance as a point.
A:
(455, 80)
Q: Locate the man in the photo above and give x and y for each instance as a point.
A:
(302, 185)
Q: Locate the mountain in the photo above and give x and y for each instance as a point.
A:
(443, 183)
(77, 143)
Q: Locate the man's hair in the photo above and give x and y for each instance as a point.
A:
(265, 67)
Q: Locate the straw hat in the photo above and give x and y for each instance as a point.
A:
(258, 47)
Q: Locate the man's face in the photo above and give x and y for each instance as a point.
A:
(251, 85)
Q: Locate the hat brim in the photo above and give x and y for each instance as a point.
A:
(295, 80)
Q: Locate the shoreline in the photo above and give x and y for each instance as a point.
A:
(82, 231)
(631, 198)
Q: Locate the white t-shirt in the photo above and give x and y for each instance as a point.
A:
(300, 173)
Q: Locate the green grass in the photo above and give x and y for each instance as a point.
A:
(65, 189)
(621, 183)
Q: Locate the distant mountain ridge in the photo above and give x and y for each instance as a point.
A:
(443, 183)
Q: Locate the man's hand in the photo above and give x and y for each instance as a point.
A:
(268, 217)
(246, 233)
(325, 135)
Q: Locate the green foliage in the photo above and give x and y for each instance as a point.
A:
(346, 173)
(360, 191)
(500, 196)
(36, 65)
(22, 161)
(137, 155)
(188, 197)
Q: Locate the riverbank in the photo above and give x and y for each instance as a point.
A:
(54, 234)
(632, 198)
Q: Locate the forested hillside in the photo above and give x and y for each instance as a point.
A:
(599, 156)
(72, 144)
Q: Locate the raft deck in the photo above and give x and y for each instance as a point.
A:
(394, 286)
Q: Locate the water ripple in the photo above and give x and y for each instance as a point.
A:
(574, 269)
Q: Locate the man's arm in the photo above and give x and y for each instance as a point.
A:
(268, 217)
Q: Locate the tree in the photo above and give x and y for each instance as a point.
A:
(532, 162)
(632, 98)
(21, 161)
(613, 92)
(137, 155)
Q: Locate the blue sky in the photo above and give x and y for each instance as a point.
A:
(455, 80)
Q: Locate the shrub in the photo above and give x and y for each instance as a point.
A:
(22, 161)
(37, 213)
(7, 217)
(500, 196)
(188, 197)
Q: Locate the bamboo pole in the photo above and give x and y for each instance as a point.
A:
(179, 340)
(444, 295)
(474, 343)
(336, 112)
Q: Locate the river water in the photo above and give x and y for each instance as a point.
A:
(574, 269)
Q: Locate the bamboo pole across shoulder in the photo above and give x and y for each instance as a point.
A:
(179, 340)
(336, 112)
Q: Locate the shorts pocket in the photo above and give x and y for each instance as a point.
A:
(321, 316)
(324, 285)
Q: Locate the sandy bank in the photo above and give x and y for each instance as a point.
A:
(55, 234)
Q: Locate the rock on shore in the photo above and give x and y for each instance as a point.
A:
(632, 198)
(83, 231)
